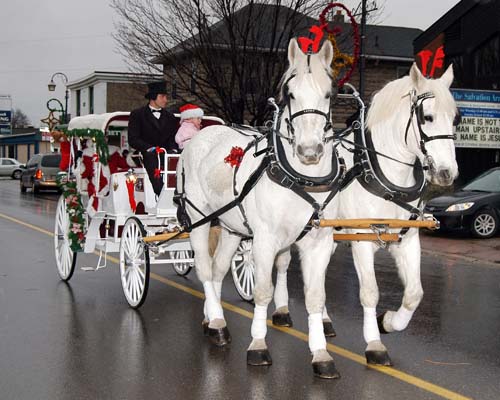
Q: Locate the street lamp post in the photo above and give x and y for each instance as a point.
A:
(52, 87)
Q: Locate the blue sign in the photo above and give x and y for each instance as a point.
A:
(5, 119)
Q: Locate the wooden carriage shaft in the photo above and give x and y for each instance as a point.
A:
(369, 223)
(386, 237)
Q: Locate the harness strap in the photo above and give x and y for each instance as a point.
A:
(249, 184)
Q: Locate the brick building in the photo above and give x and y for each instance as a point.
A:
(388, 53)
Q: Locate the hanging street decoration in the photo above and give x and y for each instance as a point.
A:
(51, 121)
(343, 64)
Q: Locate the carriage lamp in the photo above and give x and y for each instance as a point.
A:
(459, 207)
(130, 176)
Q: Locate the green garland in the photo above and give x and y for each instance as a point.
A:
(74, 208)
(97, 136)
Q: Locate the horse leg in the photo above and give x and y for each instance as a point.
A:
(327, 322)
(315, 255)
(214, 324)
(363, 255)
(281, 316)
(264, 254)
(407, 257)
(227, 244)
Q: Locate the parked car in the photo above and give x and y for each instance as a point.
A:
(474, 208)
(40, 172)
(11, 167)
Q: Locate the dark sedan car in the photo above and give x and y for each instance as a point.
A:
(474, 208)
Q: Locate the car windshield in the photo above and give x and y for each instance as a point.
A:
(51, 161)
(487, 182)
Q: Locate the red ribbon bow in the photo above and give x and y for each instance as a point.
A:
(159, 150)
(235, 157)
(157, 173)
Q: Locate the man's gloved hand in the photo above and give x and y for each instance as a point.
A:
(151, 149)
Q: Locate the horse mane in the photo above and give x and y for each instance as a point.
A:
(322, 76)
(388, 101)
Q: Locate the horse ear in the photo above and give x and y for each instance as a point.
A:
(447, 77)
(326, 52)
(293, 50)
(415, 75)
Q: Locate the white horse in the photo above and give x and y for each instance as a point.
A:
(275, 215)
(424, 135)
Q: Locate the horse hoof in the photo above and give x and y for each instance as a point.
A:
(378, 357)
(204, 325)
(280, 319)
(380, 323)
(325, 370)
(259, 357)
(328, 329)
(220, 337)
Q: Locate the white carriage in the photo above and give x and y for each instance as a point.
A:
(106, 209)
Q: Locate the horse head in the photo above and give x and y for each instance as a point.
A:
(306, 89)
(423, 114)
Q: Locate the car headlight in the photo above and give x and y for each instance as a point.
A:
(459, 207)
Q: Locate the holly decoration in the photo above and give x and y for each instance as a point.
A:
(74, 208)
(97, 136)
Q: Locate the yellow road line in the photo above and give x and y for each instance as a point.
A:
(391, 371)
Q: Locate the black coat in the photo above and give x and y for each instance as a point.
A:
(145, 130)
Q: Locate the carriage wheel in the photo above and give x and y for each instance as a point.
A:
(243, 270)
(134, 263)
(181, 267)
(65, 257)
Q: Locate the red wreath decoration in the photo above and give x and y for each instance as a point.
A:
(235, 156)
(355, 32)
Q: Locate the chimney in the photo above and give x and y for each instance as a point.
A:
(338, 18)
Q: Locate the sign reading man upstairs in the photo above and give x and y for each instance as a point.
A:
(480, 124)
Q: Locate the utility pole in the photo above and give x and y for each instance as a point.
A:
(362, 50)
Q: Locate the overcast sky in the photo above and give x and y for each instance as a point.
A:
(41, 37)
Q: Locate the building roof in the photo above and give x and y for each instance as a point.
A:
(443, 23)
(381, 41)
(109, 76)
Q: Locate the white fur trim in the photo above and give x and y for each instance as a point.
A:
(213, 309)
(259, 323)
(370, 327)
(401, 318)
(193, 113)
(317, 339)
(281, 291)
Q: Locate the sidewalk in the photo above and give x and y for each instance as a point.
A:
(463, 247)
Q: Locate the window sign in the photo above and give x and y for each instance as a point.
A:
(480, 124)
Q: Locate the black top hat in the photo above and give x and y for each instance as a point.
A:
(156, 88)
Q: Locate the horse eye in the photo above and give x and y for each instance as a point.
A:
(429, 118)
(328, 95)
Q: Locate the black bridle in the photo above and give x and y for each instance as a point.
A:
(289, 120)
(417, 108)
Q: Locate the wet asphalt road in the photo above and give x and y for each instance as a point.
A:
(81, 341)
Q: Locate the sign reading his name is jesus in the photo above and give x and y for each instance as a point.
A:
(480, 124)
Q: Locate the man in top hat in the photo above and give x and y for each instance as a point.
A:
(151, 126)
